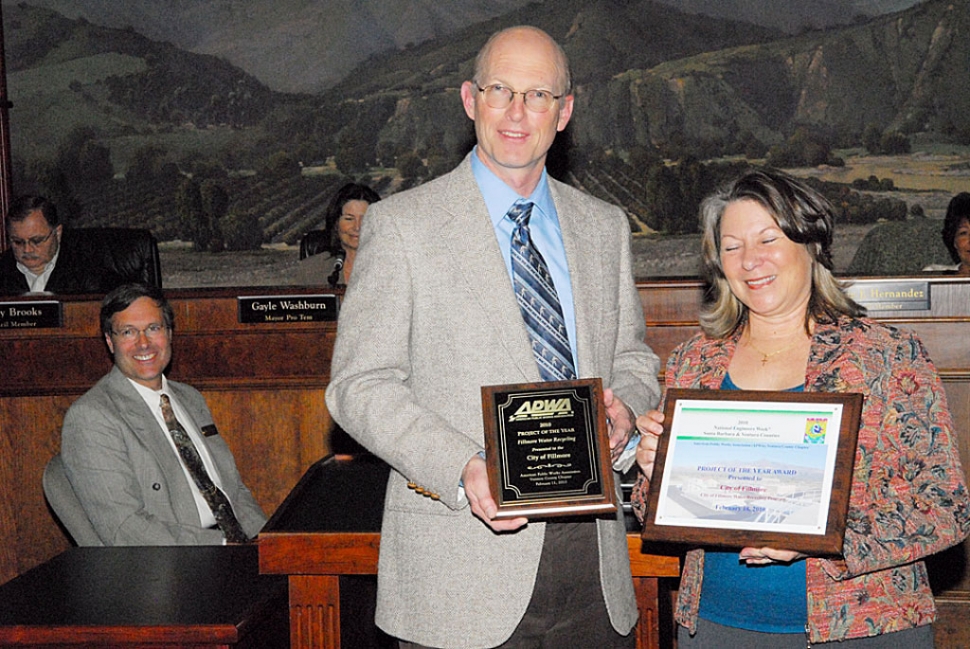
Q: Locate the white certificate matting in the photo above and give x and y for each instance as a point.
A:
(752, 465)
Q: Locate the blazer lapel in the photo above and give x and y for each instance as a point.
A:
(213, 450)
(585, 275)
(469, 239)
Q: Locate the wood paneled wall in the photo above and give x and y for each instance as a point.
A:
(265, 384)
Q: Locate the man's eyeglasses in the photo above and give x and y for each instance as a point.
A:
(499, 96)
(34, 242)
(131, 334)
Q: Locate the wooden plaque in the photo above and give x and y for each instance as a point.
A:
(547, 449)
(739, 468)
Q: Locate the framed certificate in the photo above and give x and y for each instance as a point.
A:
(547, 449)
(754, 469)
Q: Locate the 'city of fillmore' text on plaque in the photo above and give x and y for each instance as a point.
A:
(547, 449)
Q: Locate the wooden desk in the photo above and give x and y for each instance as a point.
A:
(329, 526)
(146, 597)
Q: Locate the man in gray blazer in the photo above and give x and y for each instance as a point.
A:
(117, 449)
(430, 316)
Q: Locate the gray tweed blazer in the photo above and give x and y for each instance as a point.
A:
(430, 317)
(130, 481)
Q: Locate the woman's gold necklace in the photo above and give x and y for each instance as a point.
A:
(765, 357)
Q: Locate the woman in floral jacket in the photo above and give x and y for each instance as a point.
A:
(780, 321)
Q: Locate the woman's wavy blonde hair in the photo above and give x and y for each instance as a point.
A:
(804, 215)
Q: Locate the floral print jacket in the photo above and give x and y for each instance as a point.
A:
(908, 496)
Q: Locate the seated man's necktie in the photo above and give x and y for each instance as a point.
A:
(538, 301)
(217, 501)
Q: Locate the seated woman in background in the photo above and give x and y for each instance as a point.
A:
(956, 233)
(780, 321)
(343, 218)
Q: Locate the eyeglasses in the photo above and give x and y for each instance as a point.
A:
(35, 242)
(499, 96)
(131, 334)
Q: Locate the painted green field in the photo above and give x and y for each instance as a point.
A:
(945, 170)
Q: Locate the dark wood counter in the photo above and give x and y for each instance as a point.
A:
(146, 596)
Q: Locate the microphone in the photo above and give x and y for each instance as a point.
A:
(338, 265)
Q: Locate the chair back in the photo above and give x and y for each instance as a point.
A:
(312, 243)
(128, 253)
(64, 501)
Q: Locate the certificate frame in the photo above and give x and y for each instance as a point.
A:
(547, 449)
(790, 495)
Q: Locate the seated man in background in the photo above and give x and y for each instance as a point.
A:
(142, 452)
(35, 238)
(42, 258)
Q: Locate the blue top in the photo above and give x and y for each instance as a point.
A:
(543, 229)
(771, 598)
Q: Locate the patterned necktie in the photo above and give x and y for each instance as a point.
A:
(537, 298)
(217, 501)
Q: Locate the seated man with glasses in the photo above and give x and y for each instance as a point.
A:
(142, 452)
(43, 258)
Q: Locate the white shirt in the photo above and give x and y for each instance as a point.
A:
(153, 400)
(37, 283)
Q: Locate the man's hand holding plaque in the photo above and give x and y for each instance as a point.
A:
(476, 484)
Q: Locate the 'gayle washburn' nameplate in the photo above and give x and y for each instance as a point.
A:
(260, 309)
(547, 449)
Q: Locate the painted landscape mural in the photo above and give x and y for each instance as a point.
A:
(225, 127)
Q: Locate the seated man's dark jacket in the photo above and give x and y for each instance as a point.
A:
(75, 272)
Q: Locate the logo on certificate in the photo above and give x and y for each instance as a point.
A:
(815, 430)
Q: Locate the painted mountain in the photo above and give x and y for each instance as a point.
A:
(307, 45)
(112, 115)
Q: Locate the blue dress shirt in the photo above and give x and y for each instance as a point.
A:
(544, 229)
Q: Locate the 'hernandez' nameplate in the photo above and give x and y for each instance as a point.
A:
(891, 294)
(547, 449)
(741, 468)
(261, 309)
